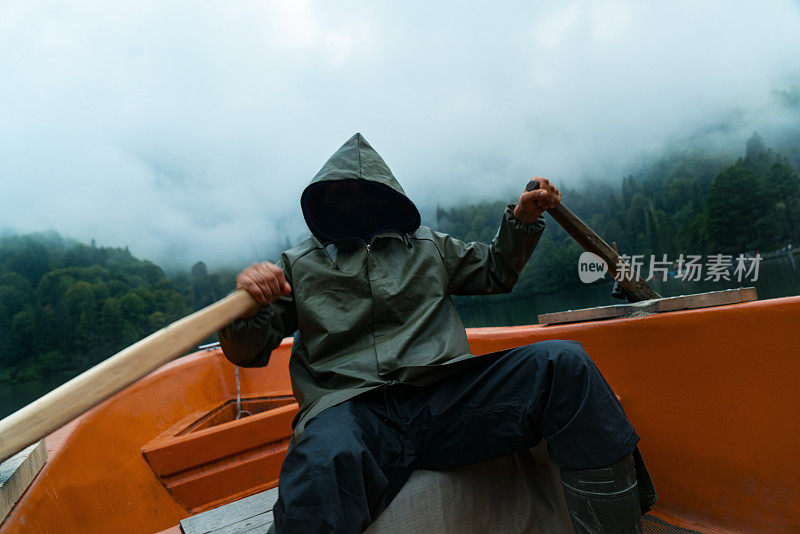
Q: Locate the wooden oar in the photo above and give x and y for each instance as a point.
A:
(590, 241)
(88, 389)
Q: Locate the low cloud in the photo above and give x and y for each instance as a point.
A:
(187, 131)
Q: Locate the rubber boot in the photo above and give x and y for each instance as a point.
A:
(603, 500)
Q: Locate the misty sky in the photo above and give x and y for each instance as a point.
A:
(187, 130)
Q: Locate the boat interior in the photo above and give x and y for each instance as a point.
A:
(712, 392)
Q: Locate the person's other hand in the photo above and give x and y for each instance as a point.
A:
(533, 203)
(265, 282)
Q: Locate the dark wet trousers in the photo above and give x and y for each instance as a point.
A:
(354, 458)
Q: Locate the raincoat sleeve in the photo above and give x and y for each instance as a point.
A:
(481, 269)
(249, 342)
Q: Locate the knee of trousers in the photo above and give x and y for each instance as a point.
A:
(329, 451)
(332, 473)
(565, 356)
(569, 363)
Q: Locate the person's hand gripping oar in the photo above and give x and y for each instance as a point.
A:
(265, 282)
(540, 195)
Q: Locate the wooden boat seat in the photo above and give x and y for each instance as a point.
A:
(520, 493)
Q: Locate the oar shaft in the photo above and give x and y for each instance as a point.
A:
(590, 241)
(92, 387)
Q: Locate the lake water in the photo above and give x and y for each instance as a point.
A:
(778, 277)
(15, 396)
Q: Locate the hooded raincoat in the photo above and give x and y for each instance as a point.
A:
(371, 301)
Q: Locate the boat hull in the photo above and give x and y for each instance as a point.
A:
(713, 393)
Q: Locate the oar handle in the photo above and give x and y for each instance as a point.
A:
(63, 404)
(592, 242)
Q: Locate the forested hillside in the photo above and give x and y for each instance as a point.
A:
(690, 203)
(67, 306)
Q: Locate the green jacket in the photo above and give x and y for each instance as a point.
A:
(374, 309)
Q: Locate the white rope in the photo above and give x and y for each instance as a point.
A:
(239, 412)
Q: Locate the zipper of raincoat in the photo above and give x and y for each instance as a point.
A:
(372, 307)
(385, 386)
(368, 245)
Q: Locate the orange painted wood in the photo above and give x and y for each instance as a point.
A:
(171, 453)
(204, 466)
(212, 485)
(713, 393)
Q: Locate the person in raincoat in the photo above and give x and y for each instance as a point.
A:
(382, 371)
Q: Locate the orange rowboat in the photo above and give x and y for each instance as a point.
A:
(713, 392)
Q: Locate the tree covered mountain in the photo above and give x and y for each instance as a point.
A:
(67, 306)
(690, 203)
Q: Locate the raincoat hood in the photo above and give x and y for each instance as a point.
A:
(355, 195)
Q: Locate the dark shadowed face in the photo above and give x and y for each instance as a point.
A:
(355, 208)
(343, 196)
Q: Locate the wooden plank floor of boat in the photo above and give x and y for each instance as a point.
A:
(250, 515)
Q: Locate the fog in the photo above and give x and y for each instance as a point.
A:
(187, 130)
